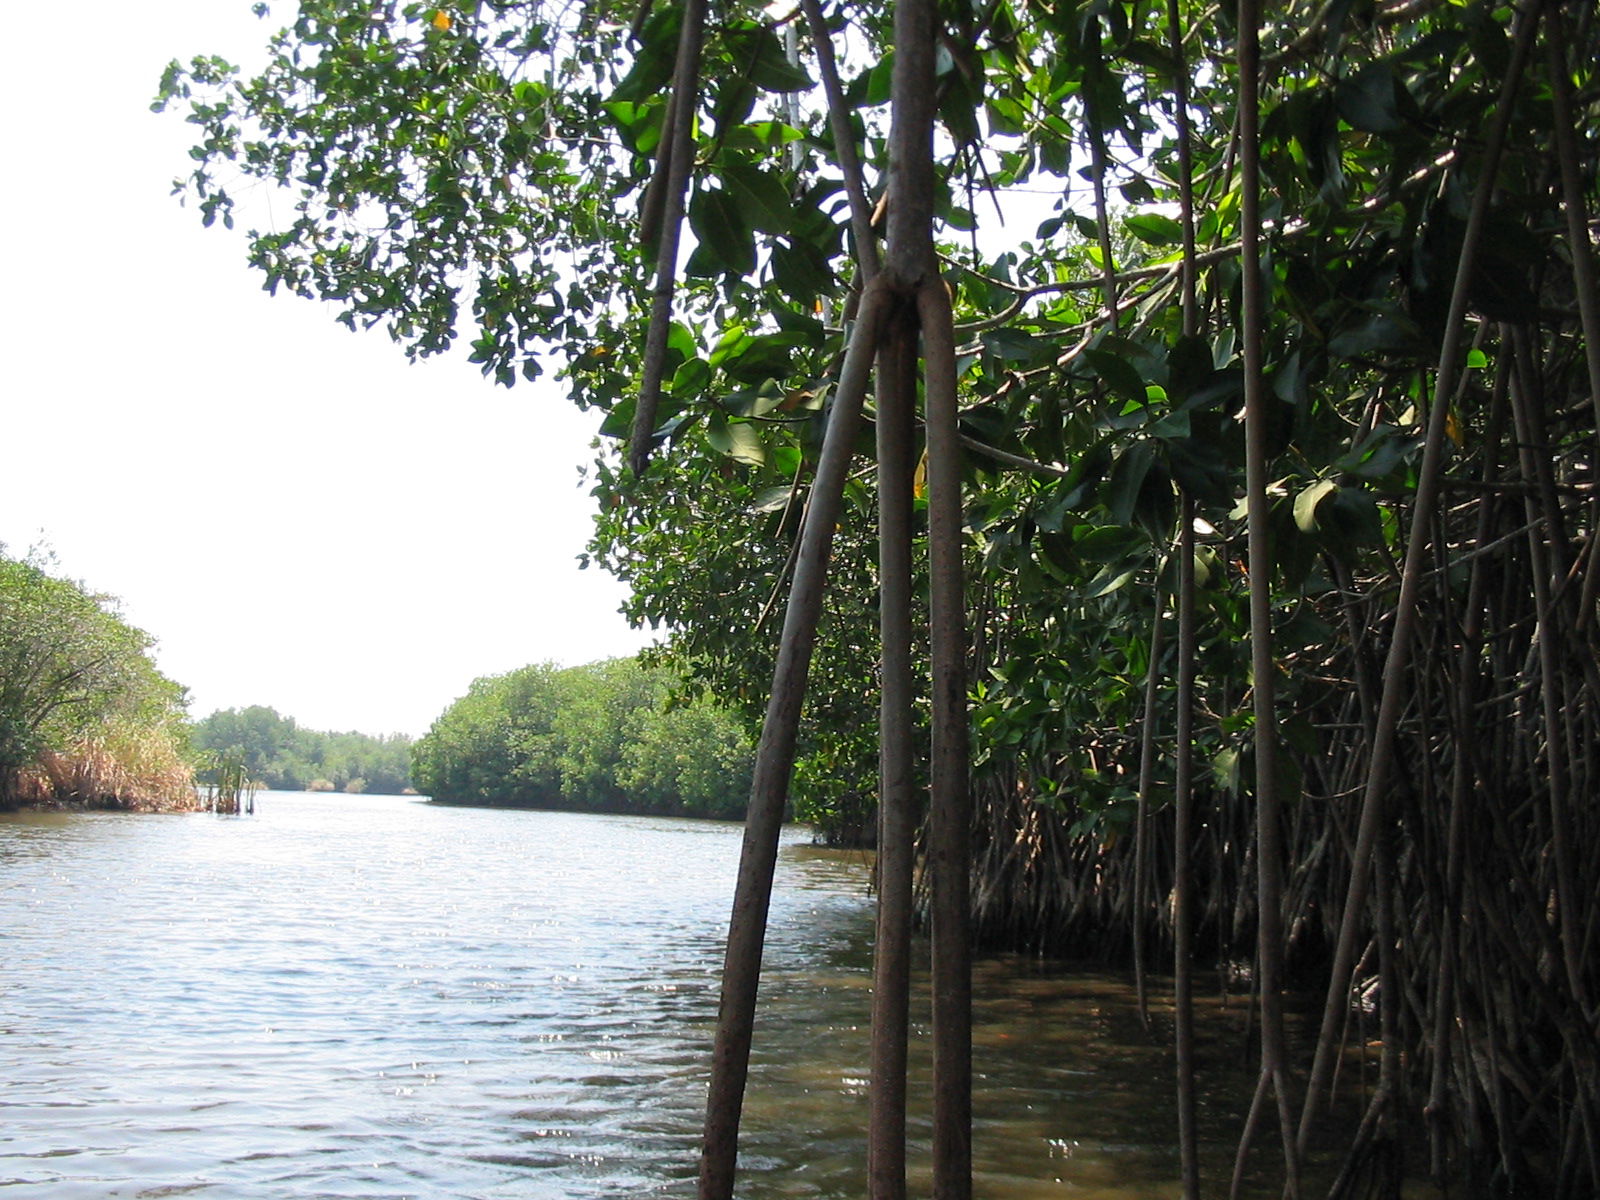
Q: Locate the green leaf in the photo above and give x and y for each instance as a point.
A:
(1171, 425)
(801, 270)
(878, 80)
(720, 229)
(771, 499)
(1127, 478)
(1118, 374)
(757, 401)
(1305, 504)
(760, 135)
(692, 376)
(1006, 118)
(754, 359)
(1367, 100)
(1016, 345)
(733, 337)
(1381, 332)
(1304, 628)
(762, 196)
(1108, 543)
(1110, 579)
(1154, 228)
(1226, 770)
(1379, 454)
(737, 439)
(772, 71)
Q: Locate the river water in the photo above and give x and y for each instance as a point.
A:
(378, 997)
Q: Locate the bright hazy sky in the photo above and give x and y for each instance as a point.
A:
(300, 518)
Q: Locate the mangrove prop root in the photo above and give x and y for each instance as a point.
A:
(730, 1062)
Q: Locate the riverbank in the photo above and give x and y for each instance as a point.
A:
(597, 809)
(108, 804)
(96, 779)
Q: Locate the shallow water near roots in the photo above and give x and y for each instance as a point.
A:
(378, 997)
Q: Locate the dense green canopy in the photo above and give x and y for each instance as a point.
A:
(600, 738)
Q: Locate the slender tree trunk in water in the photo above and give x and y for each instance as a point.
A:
(741, 972)
(1269, 822)
(891, 962)
(1437, 1111)
(1141, 830)
(910, 278)
(1544, 533)
(1182, 873)
(951, 805)
(1395, 666)
(911, 268)
(1183, 781)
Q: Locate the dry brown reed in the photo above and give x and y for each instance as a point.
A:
(128, 766)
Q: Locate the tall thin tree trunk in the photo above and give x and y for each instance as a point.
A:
(1187, 648)
(741, 972)
(1141, 826)
(1182, 869)
(909, 277)
(1269, 820)
(1449, 910)
(1541, 508)
(891, 961)
(951, 809)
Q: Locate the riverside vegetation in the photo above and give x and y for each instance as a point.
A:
(1252, 489)
(86, 720)
(275, 752)
(85, 716)
(609, 737)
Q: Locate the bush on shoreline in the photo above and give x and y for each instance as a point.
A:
(86, 719)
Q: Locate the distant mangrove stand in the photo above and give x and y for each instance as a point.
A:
(611, 737)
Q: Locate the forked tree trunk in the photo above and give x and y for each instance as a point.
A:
(908, 288)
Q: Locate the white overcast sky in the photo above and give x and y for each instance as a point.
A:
(300, 518)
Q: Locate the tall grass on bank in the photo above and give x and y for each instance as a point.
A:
(127, 765)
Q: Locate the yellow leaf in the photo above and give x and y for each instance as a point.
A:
(1452, 427)
(919, 478)
(441, 19)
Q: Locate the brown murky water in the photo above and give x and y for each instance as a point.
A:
(374, 997)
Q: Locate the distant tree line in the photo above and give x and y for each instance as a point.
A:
(85, 716)
(608, 737)
(279, 754)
